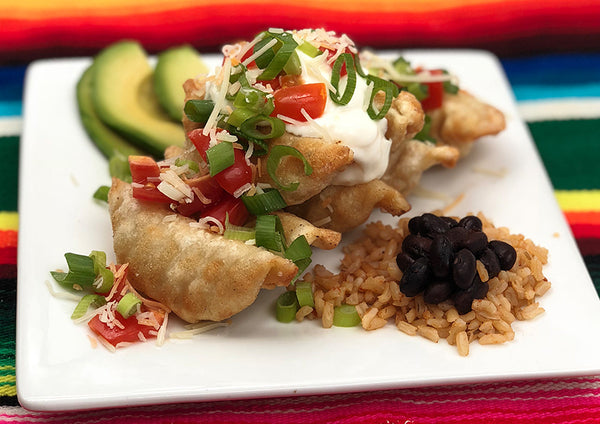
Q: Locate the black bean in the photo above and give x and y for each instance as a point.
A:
(414, 225)
(416, 278)
(457, 236)
(404, 261)
(471, 222)
(440, 255)
(463, 300)
(416, 246)
(450, 222)
(464, 268)
(489, 259)
(505, 252)
(438, 291)
(476, 242)
(432, 224)
(480, 289)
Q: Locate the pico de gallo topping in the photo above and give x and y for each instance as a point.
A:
(113, 310)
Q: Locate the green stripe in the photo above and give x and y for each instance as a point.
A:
(571, 152)
(9, 172)
(593, 265)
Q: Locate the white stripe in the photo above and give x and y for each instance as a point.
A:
(559, 109)
(11, 126)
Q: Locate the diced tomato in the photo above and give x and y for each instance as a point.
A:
(142, 168)
(289, 101)
(436, 93)
(331, 53)
(230, 206)
(210, 189)
(117, 335)
(283, 80)
(237, 175)
(201, 141)
(246, 55)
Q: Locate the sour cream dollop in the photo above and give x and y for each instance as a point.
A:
(349, 124)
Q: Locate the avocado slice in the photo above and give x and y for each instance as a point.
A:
(173, 67)
(124, 98)
(108, 141)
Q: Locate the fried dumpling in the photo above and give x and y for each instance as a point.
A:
(199, 275)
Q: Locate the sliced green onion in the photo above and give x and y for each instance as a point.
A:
(239, 115)
(81, 273)
(198, 110)
(425, 133)
(403, 66)
(390, 90)
(284, 48)
(234, 232)
(104, 281)
(253, 127)
(449, 86)
(345, 316)
(293, 65)
(336, 97)
(128, 304)
(286, 307)
(118, 166)
(267, 233)
(420, 91)
(260, 147)
(304, 294)
(254, 100)
(264, 59)
(99, 258)
(359, 70)
(84, 304)
(309, 49)
(264, 203)
(101, 193)
(220, 157)
(192, 165)
(277, 153)
(298, 249)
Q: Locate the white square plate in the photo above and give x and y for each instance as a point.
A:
(256, 356)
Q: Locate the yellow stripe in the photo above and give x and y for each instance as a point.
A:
(9, 221)
(578, 200)
(8, 379)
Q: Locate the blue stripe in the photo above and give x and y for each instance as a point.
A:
(568, 69)
(535, 92)
(11, 108)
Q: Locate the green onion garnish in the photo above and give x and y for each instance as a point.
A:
(239, 115)
(192, 165)
(300, 253)
(102, 193)
(264, 203)
(268, 234)
(84, 304)
(81, 272)
(118, 166)
(104, 281)
(128, 304)
(309, 49)
(255, 126)
(234, 232)
(277, 153)
(293, 65)
(336, 97)
(389, 89)
(198, 110)
(286, 307)
(345, 316)
(264, 59)
(425, 133)
(284, 48)
(304, 294)
(254, 100)
(359, 70)
(220, 157)
(449, 87)
(99, 258)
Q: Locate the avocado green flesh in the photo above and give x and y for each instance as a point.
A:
(124, 99)
(109, 142)
(173, 68)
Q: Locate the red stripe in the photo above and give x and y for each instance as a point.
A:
(589, 246)
(209, 27)
(581, 231)
(8, 246)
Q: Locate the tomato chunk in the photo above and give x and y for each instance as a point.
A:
(289, 101)
(229, 206)
(118, 335)
(200, 141)
(211, 194)
(142, 168)
(237, 175)
(436, 93)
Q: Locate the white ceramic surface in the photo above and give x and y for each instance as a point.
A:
(256, 356)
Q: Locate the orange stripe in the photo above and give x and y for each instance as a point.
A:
(580, 218)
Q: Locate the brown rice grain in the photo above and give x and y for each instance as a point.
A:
(462, 343)
(327, 318)
(303, 312)
(429, 333)
(406, 328)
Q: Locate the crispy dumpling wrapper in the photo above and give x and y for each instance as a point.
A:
(199, 275)
(463, 119)
(342, 208)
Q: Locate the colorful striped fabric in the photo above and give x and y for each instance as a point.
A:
(558, 95)
(69, 27)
